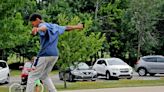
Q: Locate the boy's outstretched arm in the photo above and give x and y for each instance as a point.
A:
(68, 28)
(72, 27)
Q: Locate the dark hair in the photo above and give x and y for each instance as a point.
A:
(34, 16)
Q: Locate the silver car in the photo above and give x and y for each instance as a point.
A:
(80, 71)
(153, 64)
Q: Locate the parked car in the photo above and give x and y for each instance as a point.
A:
(153, 64)
(113, 68)
(4, 72)
(80, 71)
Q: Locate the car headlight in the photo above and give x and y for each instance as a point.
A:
(75, 72)
(94, 72)
(130, 69)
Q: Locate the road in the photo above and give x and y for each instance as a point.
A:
(127, 89)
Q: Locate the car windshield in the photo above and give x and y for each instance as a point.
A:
(116, 62)
(80, 66)
(2, 65)
(83, 66)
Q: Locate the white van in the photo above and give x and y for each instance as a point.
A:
(4, 72)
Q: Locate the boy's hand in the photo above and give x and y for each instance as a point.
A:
(80, 26)
(34, 31)
(33, 68)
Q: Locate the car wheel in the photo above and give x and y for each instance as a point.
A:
(142, 71)
(8, 79)
(71, 78)
(152, 74)
(108, 76)
(93, 79)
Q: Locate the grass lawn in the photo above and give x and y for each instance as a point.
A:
(105, 84)
(15, 73)
(111, 84)
(3, 89)
(18, 72)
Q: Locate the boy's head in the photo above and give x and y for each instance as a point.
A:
(35, 19)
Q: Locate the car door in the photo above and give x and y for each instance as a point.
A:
(3, 70)
(152, 65)
(103, 67)
(160, 61)
(97, 66)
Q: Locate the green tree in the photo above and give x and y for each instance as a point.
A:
(77, 46)
(160, 30)
(108, 20)
(141, 17)
(12, 28)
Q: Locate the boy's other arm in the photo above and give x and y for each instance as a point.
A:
(36, 29)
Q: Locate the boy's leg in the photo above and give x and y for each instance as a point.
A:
(36, 74)
(49, 84)
(45, 78)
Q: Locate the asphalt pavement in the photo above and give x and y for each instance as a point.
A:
(127, 89)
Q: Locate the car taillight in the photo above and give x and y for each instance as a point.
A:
(137, 62)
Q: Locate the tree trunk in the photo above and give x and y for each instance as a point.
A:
(3, 55)
(102, 53)
(139, 46)
(138, 51)
(65, 83)
(96, 10)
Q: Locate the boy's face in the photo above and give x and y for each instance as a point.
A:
(36, 22)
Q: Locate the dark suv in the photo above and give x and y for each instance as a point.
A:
(153, 64)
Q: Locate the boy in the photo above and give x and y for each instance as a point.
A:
(48, 54)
